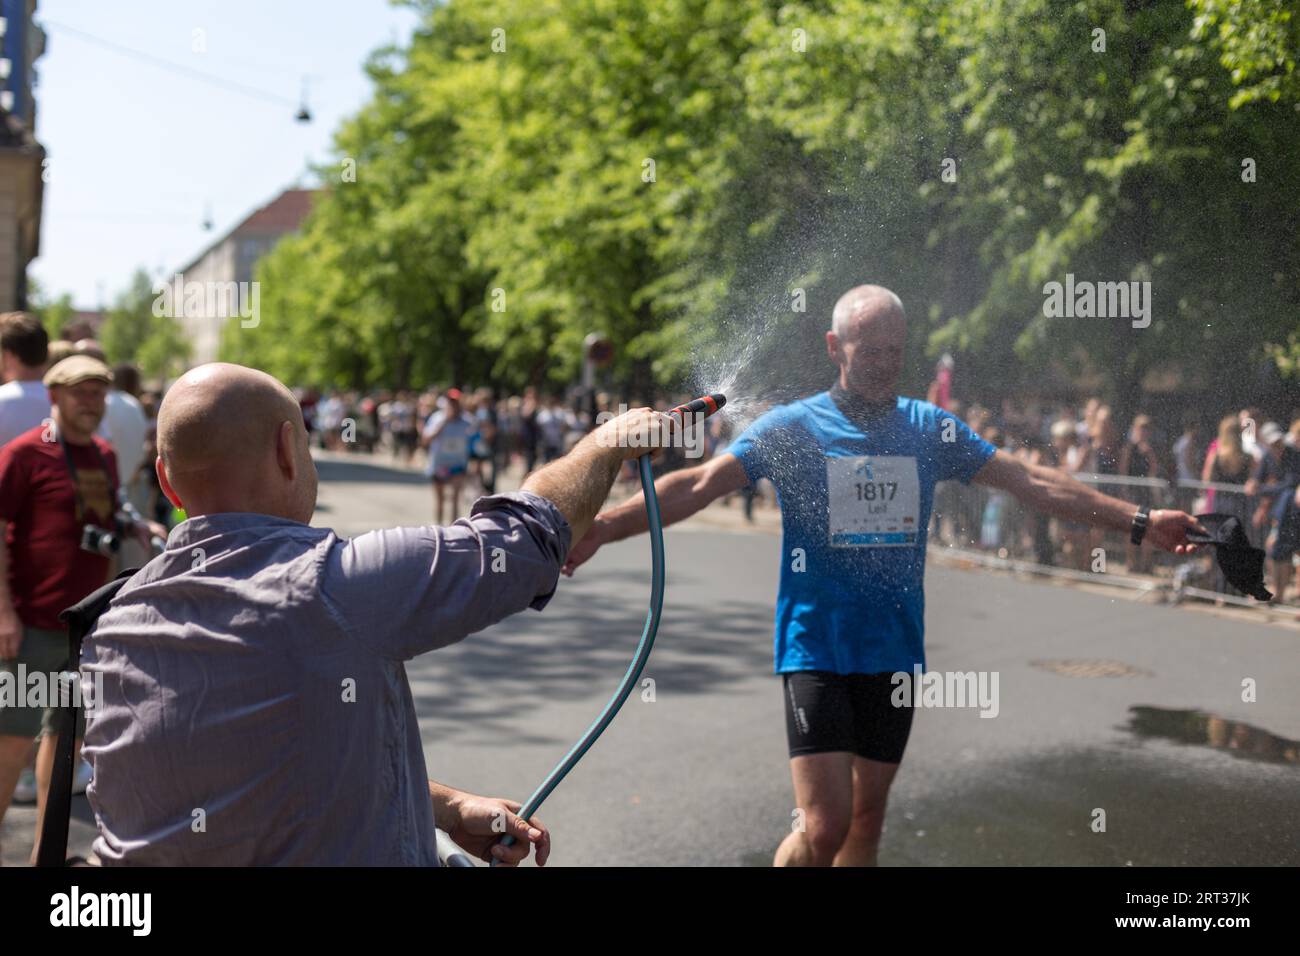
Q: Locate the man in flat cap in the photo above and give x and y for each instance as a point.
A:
(255, 706)
(58, 523)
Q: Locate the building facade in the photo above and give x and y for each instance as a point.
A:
(22, 158)
(229, 264)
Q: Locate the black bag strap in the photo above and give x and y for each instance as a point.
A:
(80, 618)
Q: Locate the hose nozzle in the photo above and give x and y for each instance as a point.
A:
(705, 405)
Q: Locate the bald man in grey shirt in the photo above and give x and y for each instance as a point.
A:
(255, 708)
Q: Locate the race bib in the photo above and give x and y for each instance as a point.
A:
(453, 451)
(875, 501)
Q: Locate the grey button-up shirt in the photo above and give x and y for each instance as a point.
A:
(255, 709)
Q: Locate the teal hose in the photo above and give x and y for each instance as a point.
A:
(638, 661)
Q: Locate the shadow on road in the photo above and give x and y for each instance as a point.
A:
(579, 646)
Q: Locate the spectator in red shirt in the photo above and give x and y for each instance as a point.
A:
(58, 497)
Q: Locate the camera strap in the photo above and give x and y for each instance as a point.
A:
(76, 487)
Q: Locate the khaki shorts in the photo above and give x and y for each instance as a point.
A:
(44, 652)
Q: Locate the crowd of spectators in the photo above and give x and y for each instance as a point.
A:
(1244, 463)
(78, 499)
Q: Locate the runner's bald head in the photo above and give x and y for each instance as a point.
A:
(232, 438)
(866, 303)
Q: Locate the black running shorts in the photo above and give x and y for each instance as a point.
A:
(848, 713)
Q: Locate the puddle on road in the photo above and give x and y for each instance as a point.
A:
(1210, 730)
(1165, 805)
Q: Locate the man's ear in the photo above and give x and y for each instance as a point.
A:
(285, 455)
(166, 485)
(833, 347)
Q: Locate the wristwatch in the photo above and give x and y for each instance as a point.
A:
(1140, 522)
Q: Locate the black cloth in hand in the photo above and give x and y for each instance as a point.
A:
(1241, 564)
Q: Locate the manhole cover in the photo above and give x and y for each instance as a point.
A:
(1091, 668)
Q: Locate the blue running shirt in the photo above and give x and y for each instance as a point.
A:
(855, 497)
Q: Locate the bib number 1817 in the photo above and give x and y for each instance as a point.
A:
(872, 490)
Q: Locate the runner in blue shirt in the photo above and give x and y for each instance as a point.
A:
(448, 434)
(855, 468)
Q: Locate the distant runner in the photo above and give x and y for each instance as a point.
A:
(447, 435)
(855, 468)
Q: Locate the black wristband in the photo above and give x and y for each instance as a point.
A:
(1140, 521)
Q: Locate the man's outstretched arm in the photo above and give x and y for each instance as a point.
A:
(578, 483)
(681, 494)
(1054, 492)
(407, 591)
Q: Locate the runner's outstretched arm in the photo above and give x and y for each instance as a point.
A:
(681, 494)
(1054, 492)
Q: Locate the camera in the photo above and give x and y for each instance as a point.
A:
(96, 540)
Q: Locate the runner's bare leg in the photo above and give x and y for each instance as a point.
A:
(871, 782)
(457, 482)
(823, 790)
(439, 498)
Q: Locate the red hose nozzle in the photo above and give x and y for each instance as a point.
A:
(705, 404)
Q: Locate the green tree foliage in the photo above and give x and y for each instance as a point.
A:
(670, 174)
(133, 333)
(54, 312)
(1257, 41)
(127, 324)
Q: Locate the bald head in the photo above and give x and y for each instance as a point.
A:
(232, 438)
(868, 331)
(866, 303)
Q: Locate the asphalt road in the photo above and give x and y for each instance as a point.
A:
(1104, 704)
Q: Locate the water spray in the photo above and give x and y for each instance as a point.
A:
(705, 405)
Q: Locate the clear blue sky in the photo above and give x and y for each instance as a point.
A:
(136, 152)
